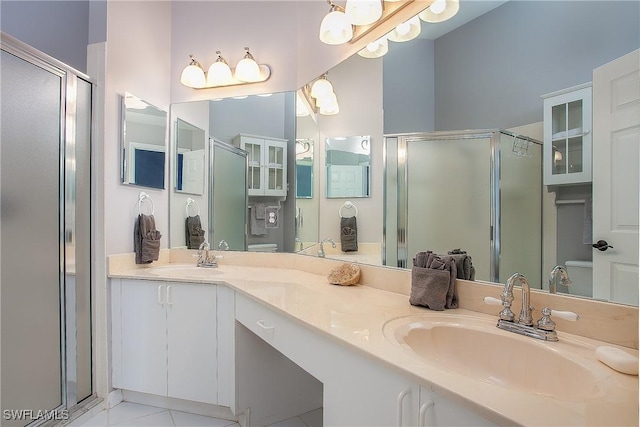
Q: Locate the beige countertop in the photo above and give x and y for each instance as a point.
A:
(356, 315)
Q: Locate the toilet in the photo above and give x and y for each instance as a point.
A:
(581, 275)
(263, 247)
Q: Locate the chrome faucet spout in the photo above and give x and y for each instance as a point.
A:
(507, 297)
(558, 272)
(321, 253)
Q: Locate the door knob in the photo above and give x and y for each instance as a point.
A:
(602, 245)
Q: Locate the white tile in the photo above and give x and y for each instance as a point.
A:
(127, 411)
(98, 420)
(184, 419)
(160, 419)
(312, 418)
(291, 422)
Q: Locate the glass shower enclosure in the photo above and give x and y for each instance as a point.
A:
(478, 191)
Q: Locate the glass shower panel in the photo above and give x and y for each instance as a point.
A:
(448, 199)
(31, 236)
(82, 239)
(520, 210)
(228, 196)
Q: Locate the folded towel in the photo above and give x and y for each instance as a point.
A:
(146, 239)
(425, 273)
(348, 234)
(258, 225)
(429, 288)
(194, 232)
(464, 266)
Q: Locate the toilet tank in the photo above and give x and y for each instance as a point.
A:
(581, 275)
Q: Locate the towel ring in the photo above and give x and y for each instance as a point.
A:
(347, 205)
(190, 202)
(142, 198)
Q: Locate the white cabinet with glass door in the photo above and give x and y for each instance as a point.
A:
(267, 164)
(567, 136)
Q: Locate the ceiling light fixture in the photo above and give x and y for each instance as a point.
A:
(335, 27)
(363, 12)
(375, 49)
(440, 11)
(219, 74)
(406, 31)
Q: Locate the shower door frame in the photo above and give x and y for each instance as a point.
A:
(402, 189)
(67, 139)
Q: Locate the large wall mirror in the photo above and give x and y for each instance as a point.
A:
(348, 163)
(424, 91)
(143, 143)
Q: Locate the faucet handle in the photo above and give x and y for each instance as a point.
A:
(506, 313)
(547, 324)
(492, 301)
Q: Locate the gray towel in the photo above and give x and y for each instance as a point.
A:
(194, 232)
(146, 239)
(464, 265)
(587, 230)
(431, 288)
(258, 225)
(260, 210)
(348, 234)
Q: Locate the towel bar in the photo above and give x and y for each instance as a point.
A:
(190, 202)
(142, 198)
(347, 205)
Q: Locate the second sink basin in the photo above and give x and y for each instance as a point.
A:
(184, 272)
(474, 347)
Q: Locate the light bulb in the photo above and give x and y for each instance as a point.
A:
(438, 6)
(335, 28)
(375, 49)
(406, 31)
(321, 87)
(248, 69)
(193, 75)
(403, 29)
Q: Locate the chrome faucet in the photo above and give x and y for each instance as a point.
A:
(561, 272)
(204, 259)
(321, 253)
(545, 329)
(223, 245)
(301, 245)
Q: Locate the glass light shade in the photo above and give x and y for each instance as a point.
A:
(321, 87)
(193, 76)
(248, 70)
(335, 28)
(325, 101)
(435, 13)
(406, 31)
(301, 109)
(363, 12)
(330, 110)
(219, 74)
(375, 49)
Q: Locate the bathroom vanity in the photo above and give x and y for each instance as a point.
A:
(263, 329)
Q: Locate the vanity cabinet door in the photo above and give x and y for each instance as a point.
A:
(267, 164)
(191, 342)
(436, 410)
(143, 337)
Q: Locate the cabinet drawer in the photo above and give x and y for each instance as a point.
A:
(264, 322)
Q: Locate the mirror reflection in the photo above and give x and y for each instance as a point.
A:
(348, 163)
(189, 158)
(307, 181)
(143, 143)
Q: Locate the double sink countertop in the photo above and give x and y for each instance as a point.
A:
(359, 317)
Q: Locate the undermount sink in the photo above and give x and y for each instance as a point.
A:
(184, 272)
(474, 347)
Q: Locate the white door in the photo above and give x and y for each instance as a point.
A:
(193, 171)
(144, 337)
(191, 331)
(346, 181)
(616, 157)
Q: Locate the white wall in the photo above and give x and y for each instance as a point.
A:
(357, 83)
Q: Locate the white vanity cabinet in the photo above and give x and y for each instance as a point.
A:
(567, 136)
(267, 164)
(164, 339)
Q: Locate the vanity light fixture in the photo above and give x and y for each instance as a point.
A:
(335, 27)
(375, 49)
(440, 11)
(219, 74)
(363, 12)
(301, 108)
(322, 86)
(406, 31)
(321, 97)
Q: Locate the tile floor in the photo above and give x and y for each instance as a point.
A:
(134, 415)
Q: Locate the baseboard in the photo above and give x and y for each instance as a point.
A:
(115, 397)
(198, 408)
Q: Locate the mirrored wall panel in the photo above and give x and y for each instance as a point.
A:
(348, 163)
(189, 158)
(143, 143)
